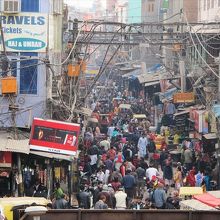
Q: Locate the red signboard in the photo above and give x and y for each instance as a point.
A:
(54, 136)
(5, 159)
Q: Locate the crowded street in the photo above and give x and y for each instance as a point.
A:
(109, 109)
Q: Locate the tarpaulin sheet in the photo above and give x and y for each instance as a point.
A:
(208, 199)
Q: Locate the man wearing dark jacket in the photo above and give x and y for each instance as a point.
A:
(96, 192)
(129, 184)
(83, 198)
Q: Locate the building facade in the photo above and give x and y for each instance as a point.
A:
(209, 10)
(134, 11)
(30, 36)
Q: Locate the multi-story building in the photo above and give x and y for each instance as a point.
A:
(134, 11)
(32, 33)
(209, 10)
(110, 10)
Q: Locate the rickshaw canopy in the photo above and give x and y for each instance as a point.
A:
(139, 116)
(7, 204)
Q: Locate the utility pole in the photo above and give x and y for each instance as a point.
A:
(182, 75)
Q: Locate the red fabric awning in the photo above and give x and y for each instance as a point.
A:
(208, 199)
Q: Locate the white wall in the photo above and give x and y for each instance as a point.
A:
(209, 10)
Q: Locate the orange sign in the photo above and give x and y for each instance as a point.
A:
(184, 97)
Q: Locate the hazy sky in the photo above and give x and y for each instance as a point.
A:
(82, 3)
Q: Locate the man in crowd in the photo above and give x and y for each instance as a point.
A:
(142, 146)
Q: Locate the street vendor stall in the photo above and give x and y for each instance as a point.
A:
(193, 204)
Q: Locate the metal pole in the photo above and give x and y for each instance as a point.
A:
(3, 39)
(182, 75)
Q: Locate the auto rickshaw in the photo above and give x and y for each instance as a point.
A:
(9, 206)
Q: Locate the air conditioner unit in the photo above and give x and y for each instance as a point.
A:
(11, 6)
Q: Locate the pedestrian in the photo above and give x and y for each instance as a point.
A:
(83, 198)
(121, 198)
(97, 191)
(168, 173)
(59, 201)
(190, 178)
(199, 179)
(151, 171)
(178, 179)
(188, 158)
(151, 148)
(100, 204)
(129, 184)
(142, 146)
(93, 153)
(159, 196)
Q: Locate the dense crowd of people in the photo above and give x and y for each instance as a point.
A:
(125, 164)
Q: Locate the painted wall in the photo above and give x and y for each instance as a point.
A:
(209, 10)
(134, 11)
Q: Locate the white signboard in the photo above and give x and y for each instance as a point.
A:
(25, 32)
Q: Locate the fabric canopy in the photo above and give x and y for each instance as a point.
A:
(208, 199)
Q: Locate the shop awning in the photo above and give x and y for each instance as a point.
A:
(134, 73)
(10, 145)
(193, 204)
(208, 199)
(51, 155)
(146, 78)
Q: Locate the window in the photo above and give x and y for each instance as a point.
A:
(208, 4)
(28, 75)
(30, 6)
(149, 8)
(11, 6)
(204, 6)
(218, 3)
(213, 3)
(152, 7)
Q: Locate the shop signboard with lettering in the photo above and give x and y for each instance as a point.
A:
(25, 32)
(184, 97)
(54, 136)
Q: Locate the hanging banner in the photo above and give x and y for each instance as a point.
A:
(54, 136)
(25, 32)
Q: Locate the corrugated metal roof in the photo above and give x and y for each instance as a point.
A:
(7, 143)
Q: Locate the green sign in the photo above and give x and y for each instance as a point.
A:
(165, 4)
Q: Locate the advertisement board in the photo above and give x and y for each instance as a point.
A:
(25, 32)
(54, 136)
(5, 159)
